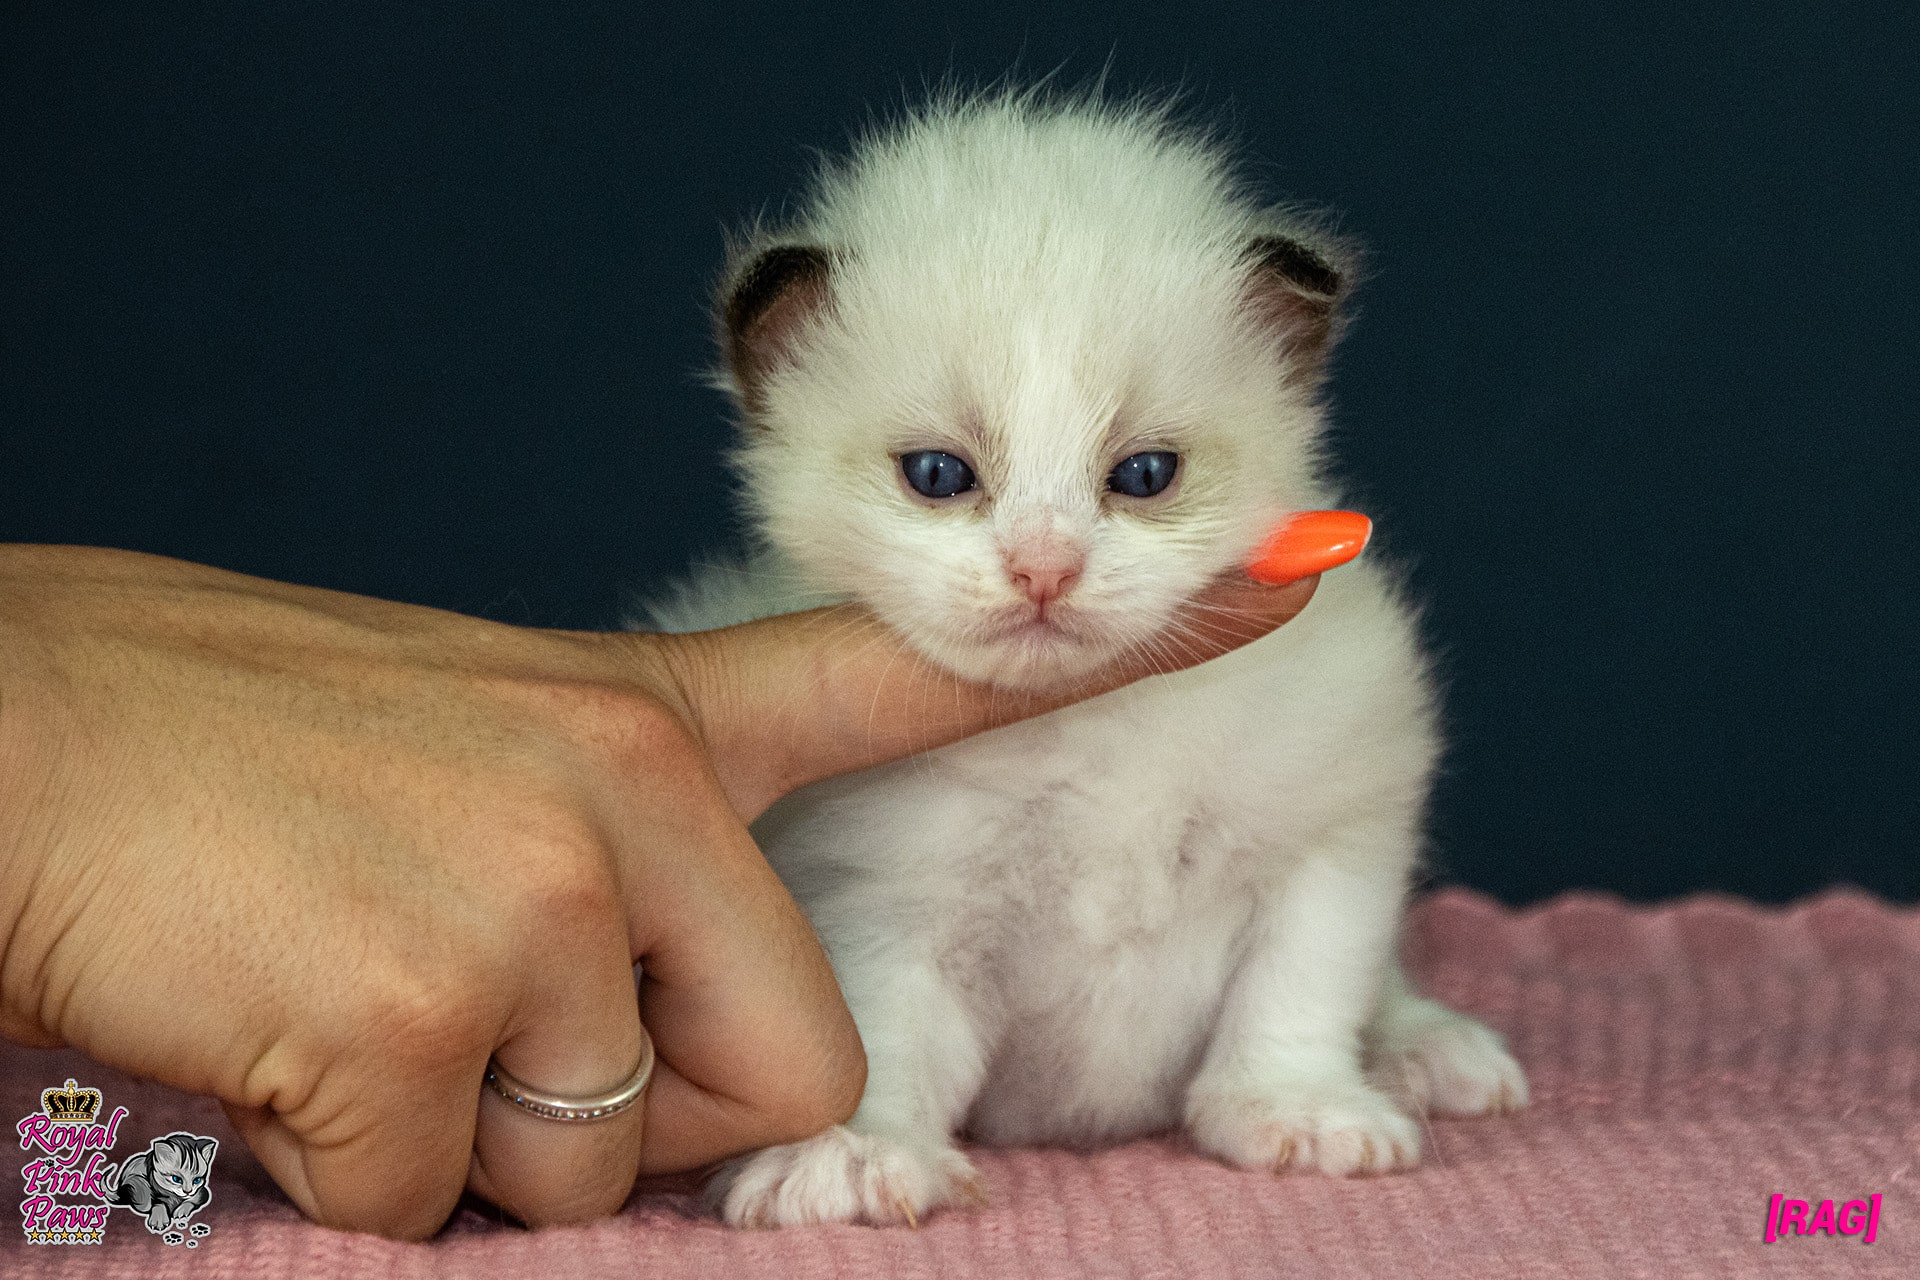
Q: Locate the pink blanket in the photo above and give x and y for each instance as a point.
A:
(1689, 1063)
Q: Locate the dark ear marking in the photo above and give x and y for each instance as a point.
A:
(1299, 266)
(1295, 289)
(767, 277)
(768, 302)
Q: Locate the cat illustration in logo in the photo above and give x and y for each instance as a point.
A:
(167, 1183)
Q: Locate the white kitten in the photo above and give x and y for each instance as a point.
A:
(1022, 377)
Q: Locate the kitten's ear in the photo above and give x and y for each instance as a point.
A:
(1296, 287)
(768, 303)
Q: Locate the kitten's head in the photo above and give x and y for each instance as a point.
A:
(1025, 377)
(182, 1162)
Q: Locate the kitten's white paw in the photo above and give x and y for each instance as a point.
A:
(842, 1176)
(1444, 1063)
(1336, 1127)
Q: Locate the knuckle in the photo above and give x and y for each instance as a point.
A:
(622, 722)
(559, 881)
(425, 1019)
(603, 721)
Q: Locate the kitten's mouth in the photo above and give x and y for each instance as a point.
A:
(1038, 628)
(1046, 646)
(1026, 648)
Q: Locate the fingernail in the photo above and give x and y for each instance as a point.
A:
(1309, 543)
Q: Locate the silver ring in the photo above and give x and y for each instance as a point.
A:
(553, 1106)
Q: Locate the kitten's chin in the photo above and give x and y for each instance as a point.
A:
(1038, 659)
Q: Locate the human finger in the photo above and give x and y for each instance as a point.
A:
(786, 701)
(755, 1044)
(391, 1159)
(577, 1035)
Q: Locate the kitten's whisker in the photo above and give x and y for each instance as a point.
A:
(797, 696)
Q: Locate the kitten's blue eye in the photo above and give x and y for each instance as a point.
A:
(1144, 474)
(934, 474)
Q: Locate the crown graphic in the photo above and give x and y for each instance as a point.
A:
(71, 1103)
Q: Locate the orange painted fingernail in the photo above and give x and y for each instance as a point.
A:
(1309, 543)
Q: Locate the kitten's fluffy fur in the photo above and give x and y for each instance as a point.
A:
(1171, 906)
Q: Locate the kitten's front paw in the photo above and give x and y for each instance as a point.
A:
(1336, 1127)
(842, 1176)
(1444, 1063)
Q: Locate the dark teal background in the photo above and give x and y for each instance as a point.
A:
(409, 299)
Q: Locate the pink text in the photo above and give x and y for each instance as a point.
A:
(43, 1213)
(45, 1178)
(1798, 1218)
(65, 1140)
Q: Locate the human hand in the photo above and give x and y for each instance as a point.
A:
(320, 856)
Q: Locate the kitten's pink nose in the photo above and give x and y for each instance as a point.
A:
(1045, 575)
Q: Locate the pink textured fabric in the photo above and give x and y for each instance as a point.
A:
(1688, 1062)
